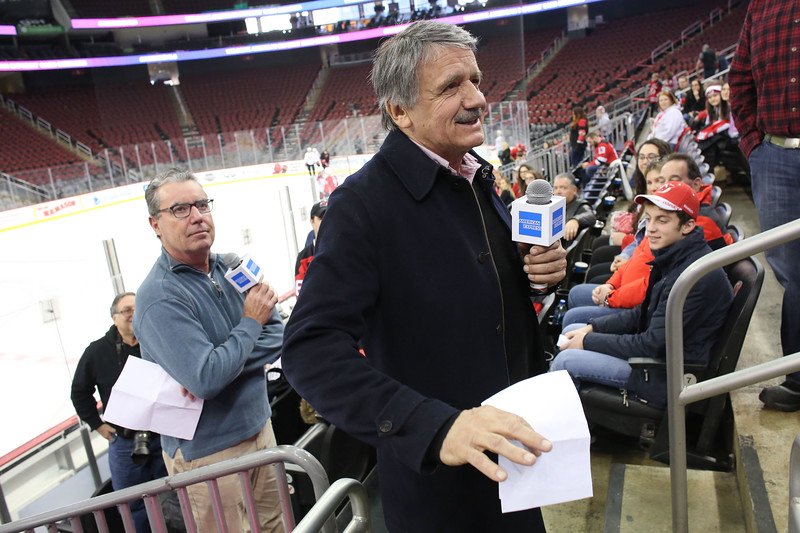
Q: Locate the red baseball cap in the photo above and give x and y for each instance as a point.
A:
(673, 196)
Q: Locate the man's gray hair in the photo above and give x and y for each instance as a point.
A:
(397, 61)
(173, 175)
(116, 300)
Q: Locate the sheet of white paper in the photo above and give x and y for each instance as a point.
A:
(562, 341)
(550, 404)
(146, 397)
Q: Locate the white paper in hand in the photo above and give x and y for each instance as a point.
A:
(550, 404)
(145, 397)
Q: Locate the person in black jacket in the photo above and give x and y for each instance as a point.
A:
(579, 214)
(100, 367)
(415, 263)
(598, 352)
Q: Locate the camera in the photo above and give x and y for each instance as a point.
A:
(141, 449)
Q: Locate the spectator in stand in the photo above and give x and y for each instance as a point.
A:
(598, 352)
(525, 175)
(683, 83)
(604, 262)
(653, 90)
(503, 188)
(100, 367)
(708, 61)
(682, 167)
(578, 129)
(694, 101)
(603, 122)
(518, 152)
(668, 81)
(766, 103)
(579, 214)
(669, 123)
(307, 254)
(604, 155)
(725, 94)
(649, 151)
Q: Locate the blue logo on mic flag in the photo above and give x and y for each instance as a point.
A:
(530, 224)
(558, 220)
(253, 268)
(240, 279)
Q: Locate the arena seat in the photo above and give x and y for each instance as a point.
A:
(606, 407)
(23, 148)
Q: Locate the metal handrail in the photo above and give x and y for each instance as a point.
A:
(794, 487)
(150, 490)
(326, 505)
(679, 397)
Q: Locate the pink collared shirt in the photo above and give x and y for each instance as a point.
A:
(469, 164)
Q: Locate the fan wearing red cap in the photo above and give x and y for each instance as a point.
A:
(598, 352)
(671, 212)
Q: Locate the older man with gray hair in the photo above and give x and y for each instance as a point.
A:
(215, 342)
(415, 263)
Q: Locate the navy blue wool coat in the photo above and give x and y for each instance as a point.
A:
(401, 266)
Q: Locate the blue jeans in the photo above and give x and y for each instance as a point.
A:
(583, 314)
(595, 367)
(776, 179)
(581, 295)
(125, 473)
(582, 308)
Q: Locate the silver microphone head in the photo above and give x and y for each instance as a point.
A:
(539, 192)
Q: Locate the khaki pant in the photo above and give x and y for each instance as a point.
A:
(262, 479)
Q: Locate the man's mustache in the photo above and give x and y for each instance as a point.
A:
(469, 115)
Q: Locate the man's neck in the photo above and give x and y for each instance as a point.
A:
(129, 339)
(200, 261)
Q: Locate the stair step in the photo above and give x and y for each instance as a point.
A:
(639, 500)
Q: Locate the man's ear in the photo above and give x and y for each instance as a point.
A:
(399, 115)
(154, 224)
(687, 228)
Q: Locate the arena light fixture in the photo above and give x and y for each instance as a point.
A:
(192, 55)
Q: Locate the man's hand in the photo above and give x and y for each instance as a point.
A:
(575, 337)
(259, 302)
(618, 262)
(107, 431)
(571, 229)
(487, 428)
(546, 266)
(601, 292)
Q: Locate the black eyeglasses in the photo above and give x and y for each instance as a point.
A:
(183, 210)
(127, 311)
(650, 157)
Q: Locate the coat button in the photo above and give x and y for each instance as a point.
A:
(482, 257)
(458, 184)
(385, 426)
(499, 329)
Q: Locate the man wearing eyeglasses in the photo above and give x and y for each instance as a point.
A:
(100, 367)
(215, 342)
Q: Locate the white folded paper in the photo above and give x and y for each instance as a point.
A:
(145, 397)
(550, 404)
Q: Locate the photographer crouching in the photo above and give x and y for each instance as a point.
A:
(133, 456)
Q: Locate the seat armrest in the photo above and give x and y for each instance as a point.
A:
(650, 362)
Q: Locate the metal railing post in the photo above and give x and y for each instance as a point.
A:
(676, 400)
(794, 487)
(87, 447)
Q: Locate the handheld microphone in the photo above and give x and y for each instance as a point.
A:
(538, 218)
(245, 274)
